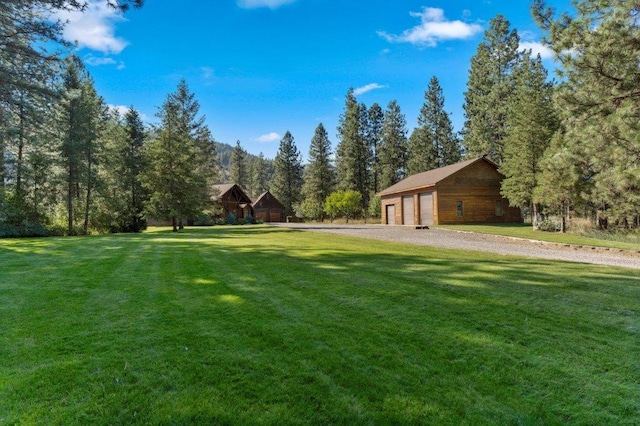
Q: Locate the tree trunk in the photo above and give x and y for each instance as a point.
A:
(174, 223)
(87, 204)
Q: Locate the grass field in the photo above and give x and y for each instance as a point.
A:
(519, 230)
(257, 325)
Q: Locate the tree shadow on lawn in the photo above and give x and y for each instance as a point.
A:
(367, 333)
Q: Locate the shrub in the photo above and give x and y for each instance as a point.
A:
(231, 219)
(250, 219)
(549, 226)
(203, 220)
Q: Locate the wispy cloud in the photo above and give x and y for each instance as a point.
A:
(269, 137)
(433, 29)
(96, 62)
(537, 48)
(207, 73)
(271, 4)
(94, 28)
(122, 110)
(367, 88)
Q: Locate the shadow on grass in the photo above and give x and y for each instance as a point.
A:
(265, 325)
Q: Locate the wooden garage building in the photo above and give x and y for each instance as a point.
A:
(267, 208)
(466, 192)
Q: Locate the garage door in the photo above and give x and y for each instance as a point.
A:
(391, 214)
(407, 210)
(426, 208)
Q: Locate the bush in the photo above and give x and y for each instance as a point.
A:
(250, 219)
(231, 219)
(548, 226)
(242, 221)
(203, 220)
(25, 229)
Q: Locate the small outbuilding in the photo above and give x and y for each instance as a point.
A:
(267, 208)
(463, 193)
(232, 199)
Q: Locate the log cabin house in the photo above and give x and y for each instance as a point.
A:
(232, 199)
(463, 193)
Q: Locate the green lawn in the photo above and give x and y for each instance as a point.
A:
(258, 325)
(526, 231)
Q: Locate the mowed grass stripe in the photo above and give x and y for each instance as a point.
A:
(263, 325)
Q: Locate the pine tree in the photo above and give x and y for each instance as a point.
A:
(531, 124)
(319, 175)
(352, 152)
(374, 140)
(488, 89)
(433, 143)
(287, 179)
(259, 175)
(80, 126)
(598, 99)
(393, 149)
(181, 167)
(238, 172)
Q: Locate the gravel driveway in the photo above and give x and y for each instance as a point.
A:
(479, 242)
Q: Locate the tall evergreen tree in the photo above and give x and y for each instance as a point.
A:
(352, 152)
(181, 170)
(287, 179)
(238, 172)
(81, 119)
(393, 150)
(374, 140)
(531, 124)
(259, 175)
(488, 88)
(433, 143)
(598, 98)
(319, 175)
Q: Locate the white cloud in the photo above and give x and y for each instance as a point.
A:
(537, 48)
(94, 28)
(269, 137)
(96, 62)
(122, 110)
(368, 88)
(207, 73)
(433, 28)
(271, 4)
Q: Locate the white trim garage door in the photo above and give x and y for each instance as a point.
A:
(426, 208)
(407, 210)
(391, 214)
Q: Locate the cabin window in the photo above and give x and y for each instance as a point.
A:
(459, 209)
(499, 211)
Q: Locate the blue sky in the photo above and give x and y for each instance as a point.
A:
(262, 67)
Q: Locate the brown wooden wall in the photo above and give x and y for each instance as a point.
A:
(477, 186)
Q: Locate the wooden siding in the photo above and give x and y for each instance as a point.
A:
(478, 187)
(268, 209)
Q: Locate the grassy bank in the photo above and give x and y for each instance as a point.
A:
(273, 326)
(519, 230)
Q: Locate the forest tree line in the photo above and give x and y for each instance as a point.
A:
(570, 147)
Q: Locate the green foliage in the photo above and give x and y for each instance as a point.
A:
(345, 204)
(433, 143)
(393, 148)
(259, 175)
(598, 98)
(319, 175)
(231, 219)
(182, 160)
(238, 172)
(287, 179)
(374, 141)
(489, 86)
(353, 153)
(531, 124)
(375, 206)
